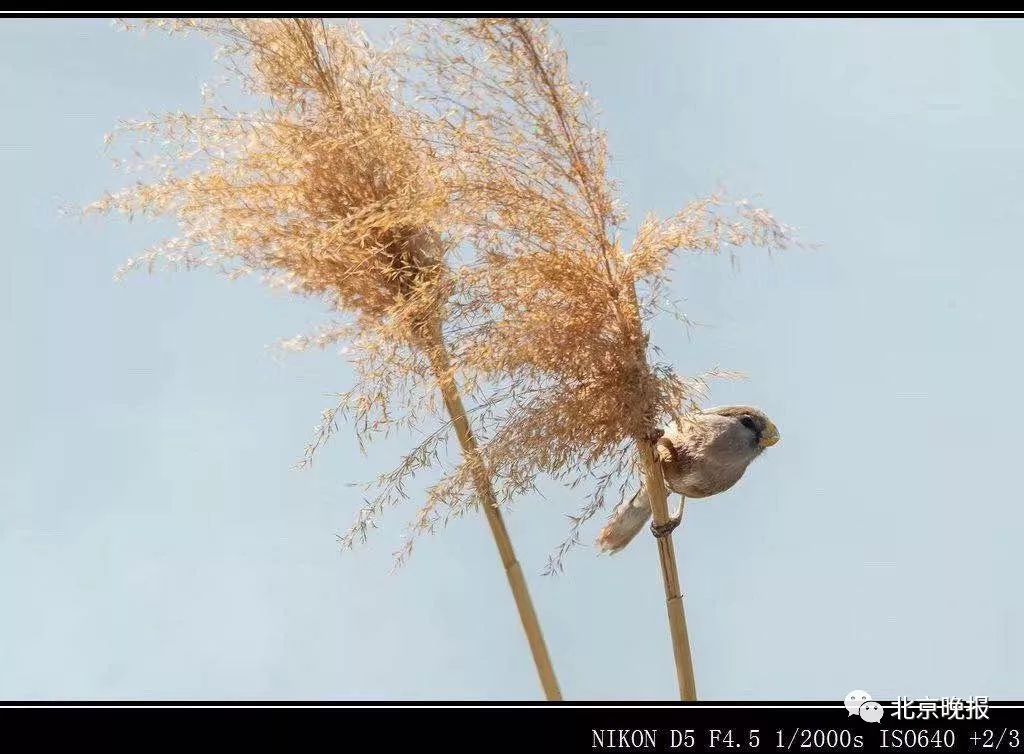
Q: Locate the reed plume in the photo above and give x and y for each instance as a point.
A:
(562, 303)
(333, 188)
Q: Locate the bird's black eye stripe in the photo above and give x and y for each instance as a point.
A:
(747, 422)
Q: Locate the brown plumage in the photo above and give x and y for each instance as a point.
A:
(700, 456)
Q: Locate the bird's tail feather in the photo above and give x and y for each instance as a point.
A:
(626, 521)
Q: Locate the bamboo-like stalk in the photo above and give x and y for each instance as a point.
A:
(654, 483)
(657, 496)
(441, 365)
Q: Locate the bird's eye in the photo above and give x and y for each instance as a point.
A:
(747, 422)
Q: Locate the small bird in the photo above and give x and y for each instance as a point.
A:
(701, 455)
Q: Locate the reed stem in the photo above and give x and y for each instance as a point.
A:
(516, 581)
(654, 483)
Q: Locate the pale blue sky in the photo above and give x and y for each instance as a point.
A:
(155, 542)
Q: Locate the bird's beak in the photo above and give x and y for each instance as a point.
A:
(769, 437)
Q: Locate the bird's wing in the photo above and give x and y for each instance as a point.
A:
(675, 450)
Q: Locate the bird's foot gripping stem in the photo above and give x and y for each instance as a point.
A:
(660, 531)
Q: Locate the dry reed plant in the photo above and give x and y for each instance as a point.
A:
(561, 306)
(332, 188)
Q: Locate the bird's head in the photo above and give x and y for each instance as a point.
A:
(764, 431)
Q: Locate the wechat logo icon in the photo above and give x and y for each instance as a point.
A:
(859, 702)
